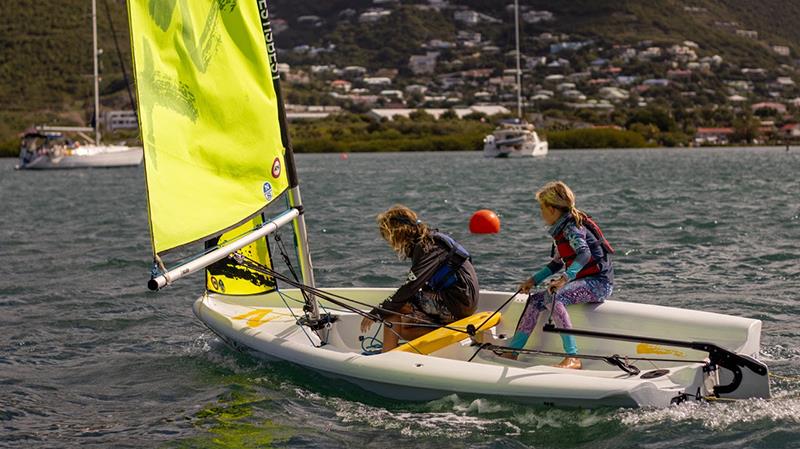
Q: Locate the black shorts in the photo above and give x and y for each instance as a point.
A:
(428, 307)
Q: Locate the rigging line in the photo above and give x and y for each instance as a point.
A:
(288, 262)
(328, 296)
(496, 348)
(480, 347)
(498, 309)
(258, 267)
(121, 60)
(374, 339)
(303, 328)
(192, 257)
(552, 304)
(328, 308)
(408, 342)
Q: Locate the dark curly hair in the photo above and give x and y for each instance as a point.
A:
(400, 227)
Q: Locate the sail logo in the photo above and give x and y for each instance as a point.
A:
(266, 27)
(276, 168)
(267, 189)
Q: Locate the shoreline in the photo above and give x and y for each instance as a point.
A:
(688, 148)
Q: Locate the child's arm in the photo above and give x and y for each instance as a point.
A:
(577, 240)
(423, 267)
(553, 267)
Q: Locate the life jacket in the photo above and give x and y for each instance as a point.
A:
(445, 276)
(568, 255)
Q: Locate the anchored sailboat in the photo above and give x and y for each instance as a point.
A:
(217, 155)
(49, 147)
(515, 137)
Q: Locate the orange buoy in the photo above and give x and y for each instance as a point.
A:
(343, 156)
(484, 221)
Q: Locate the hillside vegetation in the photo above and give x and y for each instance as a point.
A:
(46, 64)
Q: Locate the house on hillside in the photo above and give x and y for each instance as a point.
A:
(780, 108)
(423, 64)
(749, 34)
(790, 131)
(341, 85)
(373, 15)
(115, 120)
(538, 16)
(313, 21)
(467, 17)
(377, 81)
(713, 136)
(781, 50)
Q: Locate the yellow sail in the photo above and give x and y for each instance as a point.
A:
(232, 278)
(208, 114)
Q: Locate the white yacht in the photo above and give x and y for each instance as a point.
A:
(47, 147)
(44, 148)
(514, 138)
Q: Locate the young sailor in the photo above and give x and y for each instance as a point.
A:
(441, 286)
(581, 249)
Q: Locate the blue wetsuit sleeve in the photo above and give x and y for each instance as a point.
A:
(553, 267)
(541, 275)
(577, 240)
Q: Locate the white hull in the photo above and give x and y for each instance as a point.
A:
(527, 149)
(103, 156)
(263, 325)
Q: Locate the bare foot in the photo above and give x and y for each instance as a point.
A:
(569, 363)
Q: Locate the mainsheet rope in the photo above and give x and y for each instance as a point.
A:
(339, 300)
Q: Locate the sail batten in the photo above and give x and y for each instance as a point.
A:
(209, 118)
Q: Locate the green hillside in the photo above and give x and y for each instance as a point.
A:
(46, 64)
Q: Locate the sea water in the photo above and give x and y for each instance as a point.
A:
(90, 358)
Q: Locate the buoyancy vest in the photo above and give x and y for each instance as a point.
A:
(445, 276)
(599, 248)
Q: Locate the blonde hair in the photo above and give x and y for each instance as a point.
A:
(557, 195)
(401, 228)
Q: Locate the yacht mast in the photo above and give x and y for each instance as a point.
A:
(96, 83)
(519, 72)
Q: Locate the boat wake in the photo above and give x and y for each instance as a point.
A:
(779, 353)
(784, 407)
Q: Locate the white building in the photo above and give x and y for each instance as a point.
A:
(468, 17)
(374, 15)
(391, 113)
(781, 50)
(423, 64)
(377, 81)
(538, 16)
(120, 120)
(313, 21)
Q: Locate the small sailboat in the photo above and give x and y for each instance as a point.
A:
(516, 137)
(219, 161)
(50, 147)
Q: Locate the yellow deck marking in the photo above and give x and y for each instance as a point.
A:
(644, 348)
(255, 318)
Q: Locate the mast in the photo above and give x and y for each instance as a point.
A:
(294, 199)
(519, 72)
(96, 83)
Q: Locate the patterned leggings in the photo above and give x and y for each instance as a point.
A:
(579, 291)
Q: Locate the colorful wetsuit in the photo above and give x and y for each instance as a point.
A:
(590, 278)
